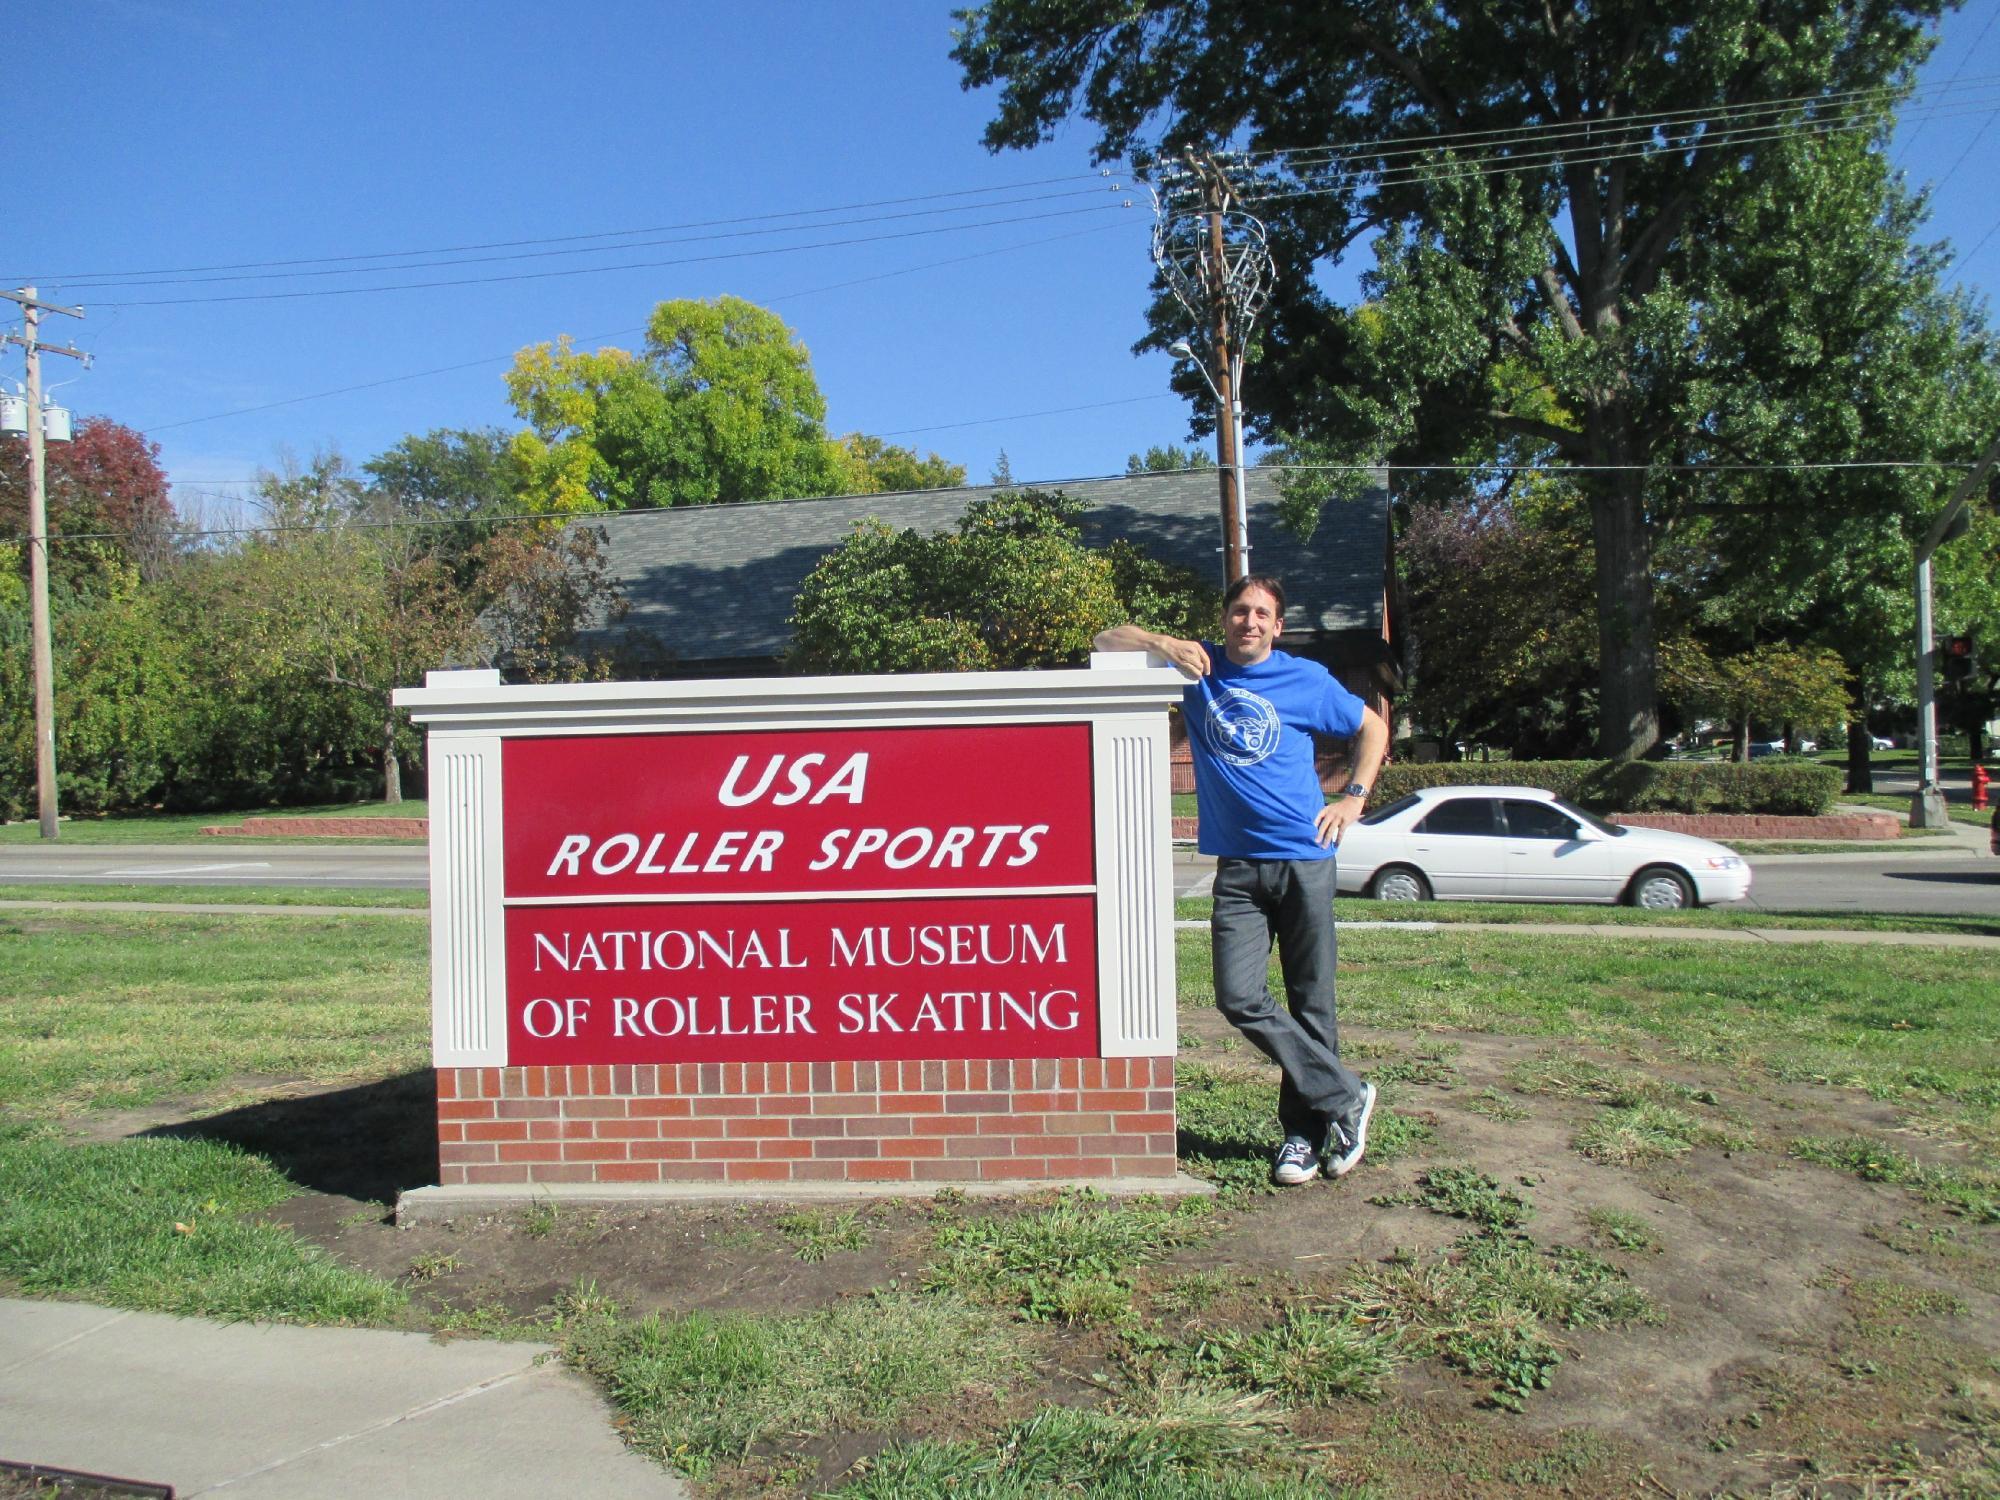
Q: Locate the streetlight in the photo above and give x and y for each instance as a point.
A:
(1237, 516)
(1927, 806)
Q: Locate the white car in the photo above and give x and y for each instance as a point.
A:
(1518, 843)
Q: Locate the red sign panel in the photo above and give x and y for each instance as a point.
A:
(803, 981)
(793, 811)
(692, 897)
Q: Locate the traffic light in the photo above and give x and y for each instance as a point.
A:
(1955, 651)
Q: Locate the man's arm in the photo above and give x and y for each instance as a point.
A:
(1371, 743)
(1187, 655)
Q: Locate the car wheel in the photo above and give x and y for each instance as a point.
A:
(1399, 883)
(1661, 888)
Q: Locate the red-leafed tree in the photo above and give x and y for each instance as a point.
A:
(106, 497)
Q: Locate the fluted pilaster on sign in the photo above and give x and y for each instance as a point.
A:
(467, 1006)
(1135, 885)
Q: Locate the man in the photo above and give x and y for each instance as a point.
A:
(1250, 713)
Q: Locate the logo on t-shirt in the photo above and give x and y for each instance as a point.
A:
(1242, 727)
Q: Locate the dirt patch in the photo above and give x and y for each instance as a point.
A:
(1821, 1334)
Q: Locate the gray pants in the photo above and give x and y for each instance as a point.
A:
(1291, 899)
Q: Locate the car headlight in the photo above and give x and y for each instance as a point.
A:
(1725, 861)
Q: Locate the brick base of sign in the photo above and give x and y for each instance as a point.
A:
(942, 1122)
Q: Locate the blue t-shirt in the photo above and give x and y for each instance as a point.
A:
(1250, 730)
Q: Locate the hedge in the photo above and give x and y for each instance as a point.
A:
(1781, 786)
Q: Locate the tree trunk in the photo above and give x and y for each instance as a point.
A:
(392, 771)
(1628, 656)
(1739, 739)
(1860, 749)
(1860, 738)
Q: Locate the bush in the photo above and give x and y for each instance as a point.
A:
(1797, 788)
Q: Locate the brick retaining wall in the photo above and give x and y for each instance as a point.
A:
(933, 1121)
(1769, 825)
(325, 828)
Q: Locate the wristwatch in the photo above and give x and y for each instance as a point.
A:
(1355, 789)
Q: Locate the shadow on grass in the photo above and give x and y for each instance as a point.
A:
(371, 1141)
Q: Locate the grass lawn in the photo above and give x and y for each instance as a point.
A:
(186, 828)
(119, 1010)
(223, 895)
(1961, 812)
(1603, 1173)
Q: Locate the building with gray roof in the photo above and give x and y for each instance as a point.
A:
(710, 588)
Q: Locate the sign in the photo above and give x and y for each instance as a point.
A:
(800, 895)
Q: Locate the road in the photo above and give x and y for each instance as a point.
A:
(365, 865)
(1964, 883)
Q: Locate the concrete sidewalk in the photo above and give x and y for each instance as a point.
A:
(265, 1412)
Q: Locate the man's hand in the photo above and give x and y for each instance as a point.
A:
(1336, 818)
(1186, 655)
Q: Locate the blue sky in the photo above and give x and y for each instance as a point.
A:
(169, 134)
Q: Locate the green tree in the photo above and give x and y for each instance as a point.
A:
(1537, 181)
(1014, 586)
(1497, 633)
(1849, 353)
(105, 492)
(1168, 459)
(540, 593)
(720, 406)
(874, 466)
(1779, 683)
(120, 688)
(1161, 596)
(454, 482)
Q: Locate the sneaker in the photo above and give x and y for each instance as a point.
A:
(1297, 1162)
(1347, 1138)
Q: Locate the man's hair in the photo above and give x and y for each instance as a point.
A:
(1262, 581)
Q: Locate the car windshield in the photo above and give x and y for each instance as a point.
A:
(1609, 830)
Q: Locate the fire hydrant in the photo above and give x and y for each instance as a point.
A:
(1979, 780)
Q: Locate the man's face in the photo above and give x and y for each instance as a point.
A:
(1250, 627)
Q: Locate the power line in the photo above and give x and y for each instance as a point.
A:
(424, 265)
(1951, 271)
(1910, 139)
(1057, 411)
(1407, 175)
(641, 265)
(1502, 136)
(1388, 147)
(1460, 169)
(251, 265)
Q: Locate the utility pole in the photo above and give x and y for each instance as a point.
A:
(1215, 260)
(1927, 807)
(38, 547)
(1227, 364)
